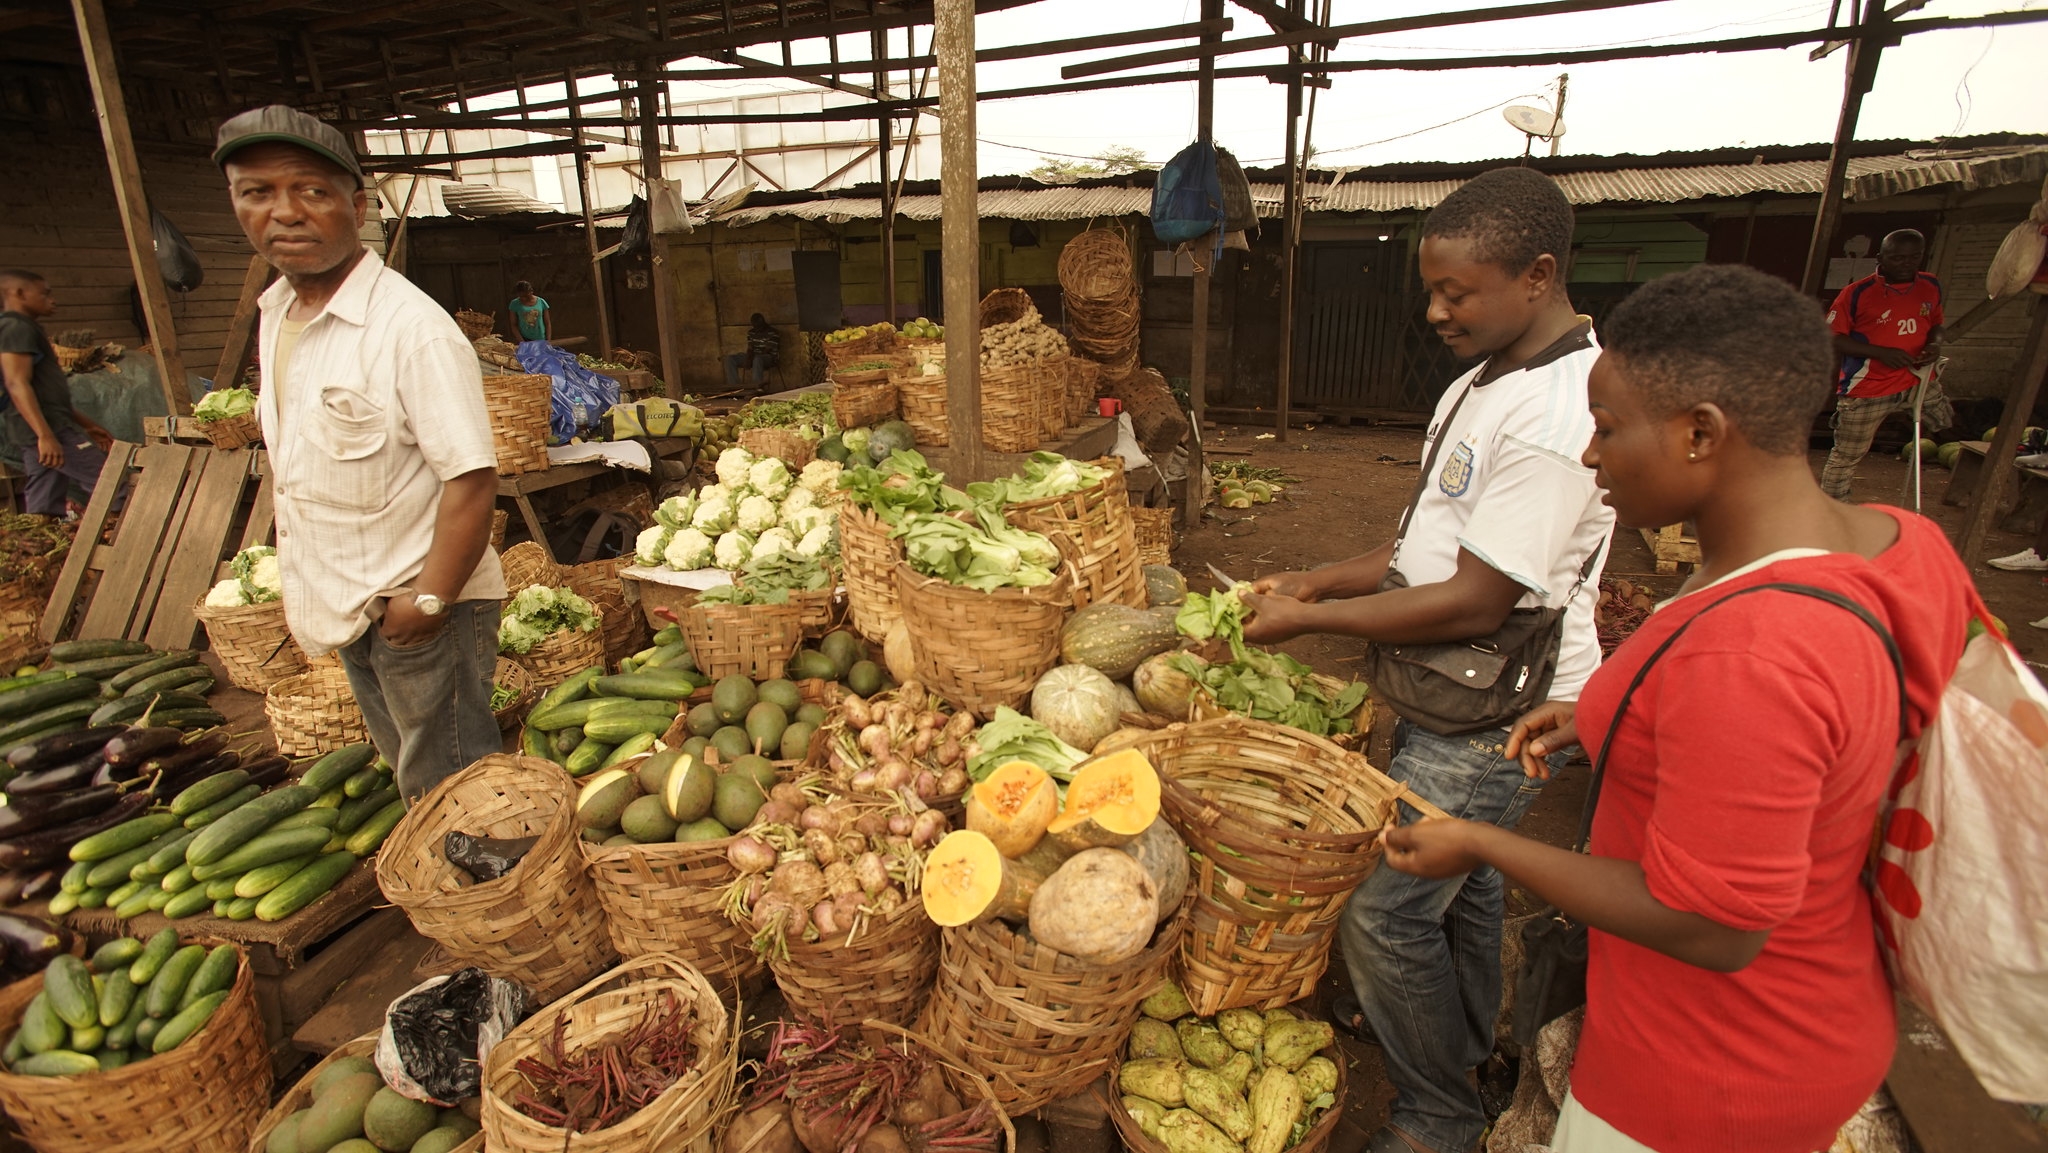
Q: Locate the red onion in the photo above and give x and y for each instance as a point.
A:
(900, 824)
(871, 824)
(825, 919)
(927, 785)
(928, 829)
(893, 774)
(873, 875)
(815, 817)
(863, 781)
(775, 813)
(820, 847)
(858, 714)
(750, 855)
(953, 782)
(791, 794)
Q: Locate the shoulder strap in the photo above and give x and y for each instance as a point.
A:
(1884, 636)
(1429, 466)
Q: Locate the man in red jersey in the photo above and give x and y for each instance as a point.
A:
(1886, 325)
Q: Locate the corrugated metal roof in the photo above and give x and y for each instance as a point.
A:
(1870, 178)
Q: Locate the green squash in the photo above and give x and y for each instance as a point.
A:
(1115, 639)
(1164, 585)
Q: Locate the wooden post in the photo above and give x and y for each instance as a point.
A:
(2012, 422)
(107, 98)
(1289, 242)
(960, 231)
(883, 130)
(1197, 489)
(657, 242)
(1862, 73)
(604, 312)
(241, 338)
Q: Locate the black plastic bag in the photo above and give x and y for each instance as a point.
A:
(636, 237)
(485, 858)
(436, 1037)
(174, 255)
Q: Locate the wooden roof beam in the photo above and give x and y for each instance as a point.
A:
(549, 14)
(1280, 19)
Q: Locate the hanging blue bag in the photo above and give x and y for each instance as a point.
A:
(1187, 201)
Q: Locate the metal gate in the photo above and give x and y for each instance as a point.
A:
(1362, 341)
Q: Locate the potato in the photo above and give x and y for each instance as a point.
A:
(763, 1130)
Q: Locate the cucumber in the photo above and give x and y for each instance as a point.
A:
(86, 650)
(145, 1031)
(122, 681)
(91, 899)
(221, 808)
(122, 1035)
(57, 1063)
(534, 743)
(363, 783)
(87, 1039)
(64, 903)
(370, 837)
(120, 867)
(587, 756)
(331, 799)
(669, 635)
(37, 678)
(73, 880)
(221, 888)
(123, 837)
(170, 856)
(187, 902)
(312, 882)
(632, 746)
(221, 837)
(117, 953)
(159, 899)
(651, 685)
(41, 1028)
(267, 849)
(178, 880)
(566, 740)
(70, 713)
(155, 952)
(221, 907)
(169, 679)
(68, 985)
(337, 767)
(614, 728)
(100, 668)
(215, 975)
(14, 1051)
(171, 981)
(32, 699)
(575, 688)
(561, 716)
(137, 904)
(117, 896)
(354, 813)
(188, 718)
(263, 878)
(121, 710)
(188, 1021)
(110, 1058)
(309, 819)
(206, 792)
(242, 908)
(663, 654)
(117, 994)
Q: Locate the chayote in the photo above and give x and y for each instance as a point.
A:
(1237, 1070)
(1146, 1112)
(1318, 1075)
(1154, 1078)
(1184, 1131)
(1217, 1101)
(1167, 1003)
(1275, 1106)
(1202, 1044)
(1243, 1028)
(1150, 1038)
(1289, 1044)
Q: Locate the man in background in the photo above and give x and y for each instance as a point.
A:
(532, 319)
(1887, 330)
(58, 446)
(764, 348)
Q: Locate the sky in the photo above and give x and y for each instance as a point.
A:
(1936, 84)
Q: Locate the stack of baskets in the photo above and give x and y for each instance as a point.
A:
(861, 399)
(1082, 375)
(519, 405)
(921, 400)
(871, 556)
(253, 644)
(876, 344)
(1102, 299)
(1095, 533)
(474, 325)
(794, 449)
(315, 711)
(983, 650)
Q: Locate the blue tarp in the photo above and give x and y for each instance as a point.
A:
(119, 395)
(581, 396)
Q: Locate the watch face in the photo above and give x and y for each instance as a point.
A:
(429, 604)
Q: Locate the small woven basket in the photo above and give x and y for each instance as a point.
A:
(1283, 826)
(1094, 531)
(922, 402)
(885, 974)
(981, 650)
(609, 1006)
(474, 325)
(1082, 376)
(233, 431)
(512, 675)
(1097, 265)
(657, 597)
(539, 924)
(1153, 529)
(1006, 306)
(315, 711)
(858, 404)
(205, 1096)
(1037, 1023)
(526, 564)
(756, 640)
(1203, 707)
(500, 519)
(70, 356)
(671, 899)
(819, 611)
(564, 653)
(253, 644)
(845, 352)
(21, 616)
(300, 1096)
(793, 449)
(1314, 1141)
(518, 406)
(625, 631)
(1009, 409)
(870, 555)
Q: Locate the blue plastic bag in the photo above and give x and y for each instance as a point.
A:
(1187, 201)
(581, 397)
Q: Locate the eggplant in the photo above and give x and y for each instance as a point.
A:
(138, 745)
(175, 781)
(29, 814)
(50, 844)
(12, 883)
(31, 941)
(42, 886)
(56, 750)
(268, 770)
(78, 774)
(169, 761)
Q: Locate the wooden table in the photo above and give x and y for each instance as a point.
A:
(520, 489)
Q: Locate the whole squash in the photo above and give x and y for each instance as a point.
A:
(1077, 703)
(1114, 638)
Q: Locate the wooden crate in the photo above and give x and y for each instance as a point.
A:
(1672, 545)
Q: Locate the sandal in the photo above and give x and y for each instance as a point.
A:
(1349, 1018)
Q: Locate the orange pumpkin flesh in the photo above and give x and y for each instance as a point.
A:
(1111, 800)
(1013, 807)
(967, 881)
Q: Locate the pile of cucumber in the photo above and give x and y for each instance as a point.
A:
(234, 846)
(92, 683)
(130, 1002)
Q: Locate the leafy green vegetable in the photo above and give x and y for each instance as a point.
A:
(1274, 687)
(501, 696)
(1246, 470)
(1012, 736)
(810, 413)
(900, 485)
(1046, 474)
(987, 555)
(787, 571)
(742, 593)
(1218, 614)
(539, 612)
(222, 403)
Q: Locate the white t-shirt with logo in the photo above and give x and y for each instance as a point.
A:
(1509, 489)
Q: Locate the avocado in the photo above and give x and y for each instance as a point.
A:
(765, 722)
(687, 792)
(354, 1145)
(646, 820)
(707, 829)
(703, 720)
(758, 767)
(796, 741)
(653, 771)
(732, 697)
(866, 678)
(604, 798)
(392, 1122)
(337, 1114)
(598, 836)
(617, 841)
(736, 798)
(810, 664)
(347, 1066)
(285, 1138)
(441, 1139)
(812, 715)
(845, 649)
(784, 693)
(695, 746)
(459, 1121)
(731, 743)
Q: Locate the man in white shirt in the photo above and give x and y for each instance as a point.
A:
(372, 407)
(1507, 518)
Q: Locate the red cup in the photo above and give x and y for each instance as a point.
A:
(1109, 406)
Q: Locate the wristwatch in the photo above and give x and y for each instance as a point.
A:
(429, 604)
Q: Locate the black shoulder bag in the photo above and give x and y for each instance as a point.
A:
(1552, 979)
(1488, 682)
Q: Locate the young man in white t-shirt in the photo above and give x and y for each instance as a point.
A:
(1507, 519)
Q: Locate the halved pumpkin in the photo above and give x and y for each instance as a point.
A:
(967, 881)
(1110, 801)
(1013, 807)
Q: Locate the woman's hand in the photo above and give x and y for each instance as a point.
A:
(1542, 731)
(1434, 847)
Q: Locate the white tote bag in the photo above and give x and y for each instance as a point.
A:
(1962, 871)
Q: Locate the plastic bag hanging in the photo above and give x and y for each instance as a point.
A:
(437, 1036)
(634, 240)
(174, 256)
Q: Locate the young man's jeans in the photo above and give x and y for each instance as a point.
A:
(734, 361)
(43, 490)
(1424, 955)
(428, 706)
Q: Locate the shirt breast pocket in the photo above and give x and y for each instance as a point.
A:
(346, 464)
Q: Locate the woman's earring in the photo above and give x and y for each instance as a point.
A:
(1692, 456)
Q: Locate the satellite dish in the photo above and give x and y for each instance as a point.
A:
(1533, 121)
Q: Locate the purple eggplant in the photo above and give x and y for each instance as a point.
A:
(61, 747)
(29, 814)
(49, 844)
(138, 745)
(31, 941)
(175, 780)
(78, 774)
(43, 885)
(168, 762)
(268, 770)
(12, 883)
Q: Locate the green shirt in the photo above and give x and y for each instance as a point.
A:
(19, 333)
(527, 318)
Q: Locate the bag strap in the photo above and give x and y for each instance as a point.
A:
(1884, 636)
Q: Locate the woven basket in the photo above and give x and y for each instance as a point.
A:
(1153, 529)
(233, 431)
(1037, 1023)
(1296, 821)
(500, 520)
(671, 899)
(980, 649)
(756, 640)
(252, 642)
(1049, 386)
(564, 653)
(527, 563)
(1082, 375)
(300, 1096)
(474, 325)
(680, 1120)
(819, 611)
(1094, 531)
(1096, 265)
(21, 616)
(538, 924)
(625, 631)
(70, 356)
(205, 1096)
(513, 675)
(1314, 1141)
(885, 974)
(858, 404)
(314, 712)
(656, 597)
(1005, 306)
(519, 405)
(922, 402)
(794, 449)
(865, 348)
(870, 555)
(1009, 409)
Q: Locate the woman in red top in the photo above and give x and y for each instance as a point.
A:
(1736, 1002)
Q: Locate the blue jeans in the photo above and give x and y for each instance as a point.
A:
(735, 361)
(428, 706)
(1424, 955)
(43, 489)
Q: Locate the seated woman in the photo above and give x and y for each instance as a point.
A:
(1736, 1000)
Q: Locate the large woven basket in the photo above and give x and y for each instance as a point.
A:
(526, 564)
(981, 650)
(474, 325)
(845, 352)
(1153, 530)
(885, 974)
(922, 402)
(1313, 1141)
(513, 675)
(671, 899)
(858, 404)
(1097, 265)
(1082, 375)
(871, 556)
(21, 614)
(1009, 409)
(680, 1120)
(1037, 1023)
(205, 1096)
(519, 405)
(1049, 382)
(315, 711)
(300, 1096)
(794, 449)
(625, 631)
(1283, 826)
(539, 924)
(756, 640)
(233, 431)
(819, 611)
(564, 653)
(1094, 531)
(252, 642)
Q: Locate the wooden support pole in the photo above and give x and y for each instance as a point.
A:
(241, 338)
(883, 128)
(1198, 328)
(1862, 73)
(960, 231)
(597, 288)
(657, 242)
(2019, 405)
(104, 73)
(1290, 241)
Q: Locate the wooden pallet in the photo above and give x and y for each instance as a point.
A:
(188, 510)
(1672, 547)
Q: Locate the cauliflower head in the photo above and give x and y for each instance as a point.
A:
(821, 476)
(772, 543)
(676, 511)
(769, 477)
(756, 514)
(265, 581)
(713, 516)
(227, 594)
(804, 520)
(799, 499)
(734, 550)
(732, 466)
(819, 543)
(687, 550)
(648, 547)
